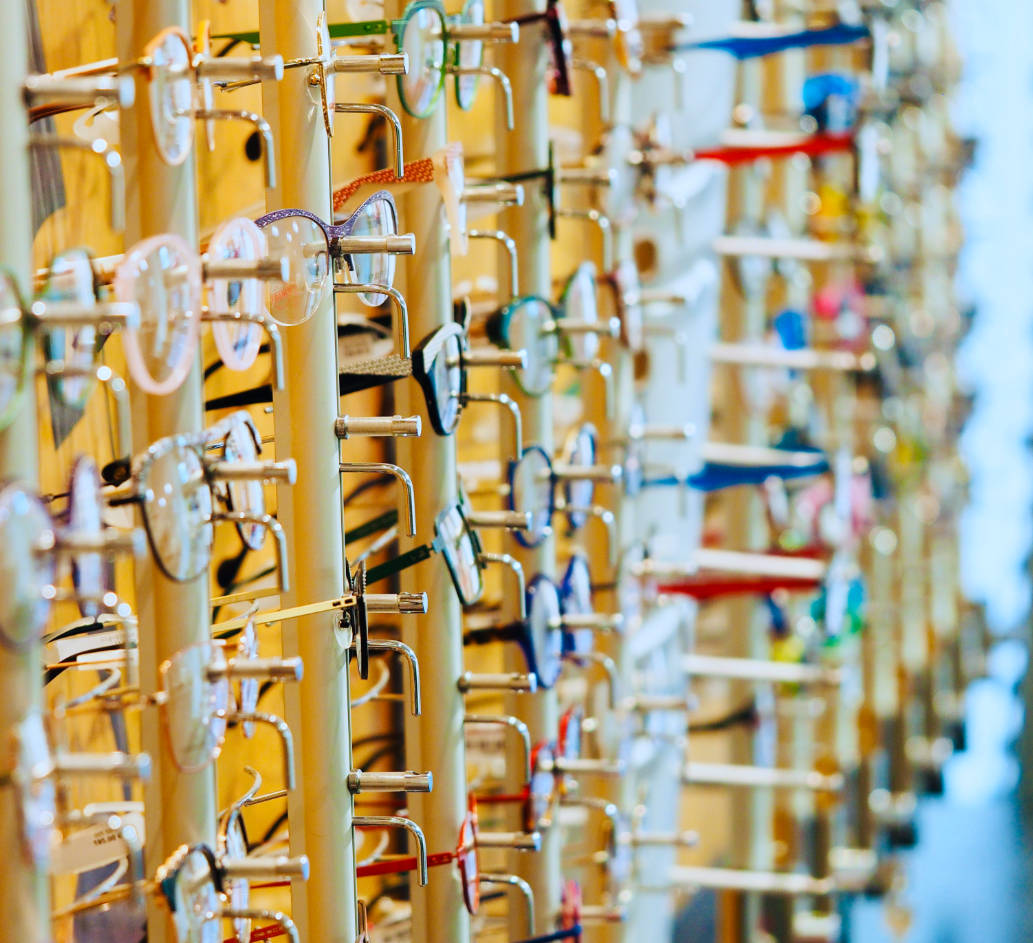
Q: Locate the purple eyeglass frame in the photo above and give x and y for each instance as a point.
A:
(334, 232)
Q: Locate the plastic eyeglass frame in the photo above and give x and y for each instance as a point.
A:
(423, 357)
(335, 232)
(560, 48)
(522, 632)
(397, 29)
(426, 551)
(522, 536)
(449, 60)
(498, 329)
(196, 80)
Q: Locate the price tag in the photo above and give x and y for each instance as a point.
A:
(97, 845)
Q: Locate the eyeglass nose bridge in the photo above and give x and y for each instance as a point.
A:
(400, 475)
(397, 821)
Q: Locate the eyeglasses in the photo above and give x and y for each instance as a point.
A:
(539, 635)
(175, 484)
(464, 856)
(536, 326)
(560, 49)
(436, 44)
(88, 543)
(174, 74)
(32, 771)
(440, 366)
(533, 481)
(456, 539)
(580, 621)
(362, 249)
(193, 883)
(164, 277)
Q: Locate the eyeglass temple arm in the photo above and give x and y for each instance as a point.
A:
(400, 648)
(389, 115)
(514, 564)
(402, 562)
(396, 821)
(401, 309)
(513, 723)
(112, 160)
(506, 401)
(400, 475)
(508, 243)
(286, 738)
(602, 84)
(518, 883)
(261, 126)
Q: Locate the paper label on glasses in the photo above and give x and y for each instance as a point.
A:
(97, 845)
(486, 750)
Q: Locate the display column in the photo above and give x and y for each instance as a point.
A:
(318, 708)
(24, 890)
(434, 740)
(181, 807)
(526, 150)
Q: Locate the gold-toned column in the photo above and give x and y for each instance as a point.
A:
(522, 150)
(24, 890)
(180, 807)
(434, 740)
(317, 709)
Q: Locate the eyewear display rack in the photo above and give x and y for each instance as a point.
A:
(719, 573)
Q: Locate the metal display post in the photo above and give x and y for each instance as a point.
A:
(434, 740)
(318, 708)
(181, 807)
(525, 64)
(24, 890)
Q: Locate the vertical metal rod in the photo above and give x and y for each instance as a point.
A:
(24, 890)
(434, 740)
(525, 64)
(159, 198)
(317, 709)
